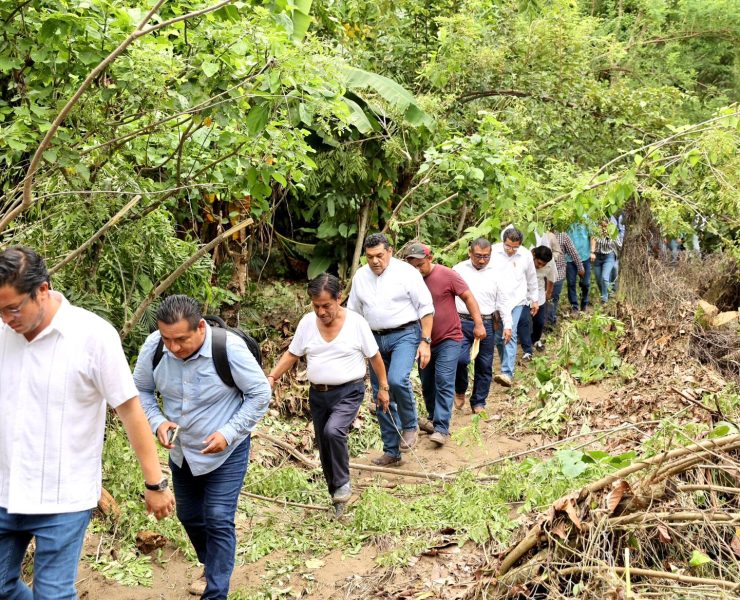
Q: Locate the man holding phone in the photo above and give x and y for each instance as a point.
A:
(206, 425)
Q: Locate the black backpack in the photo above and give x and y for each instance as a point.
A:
(218, 348)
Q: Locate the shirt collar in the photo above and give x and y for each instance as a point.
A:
(63, 319)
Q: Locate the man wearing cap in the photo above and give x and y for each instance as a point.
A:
(438, 377)
(514, 266)
(392, 297)
(483, 282)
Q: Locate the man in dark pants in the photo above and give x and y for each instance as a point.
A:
(483, 283)
(336, 342)
(209, 456)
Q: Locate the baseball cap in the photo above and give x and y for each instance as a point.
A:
(417, 250)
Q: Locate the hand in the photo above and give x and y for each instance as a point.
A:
(581, 273)
(160, 504)
(384, 400)
(479, 331)
(271, 381)
(214, 444)
(535, 307)
(423, 354)
(593, 257)
(507, 336)
(162, 431)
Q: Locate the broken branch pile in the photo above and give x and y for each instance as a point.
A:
(667, 525)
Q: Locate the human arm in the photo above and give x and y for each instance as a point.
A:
(532, 286)
(378, 367)
(570, 249)
(479, 331)
(145, 384)
(286, 363)
(424, 351)
(593, 249)
(256, 393)
(549, 285)
(160, 503)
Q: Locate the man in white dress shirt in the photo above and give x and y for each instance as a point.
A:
(514, 267)
(395, 301)
(59, 365)
(483, 282)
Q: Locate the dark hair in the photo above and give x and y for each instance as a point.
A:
(326, 282)
(542, 253)
(23, 269)
(513, 235)
(178, 307)
(375, 239)
(479, 242)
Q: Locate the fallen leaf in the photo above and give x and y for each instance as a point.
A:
(663, 534)
(314, 563)
(619, 489)
(149, 541)
(735, 544)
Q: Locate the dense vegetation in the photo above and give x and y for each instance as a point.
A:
(323, 120)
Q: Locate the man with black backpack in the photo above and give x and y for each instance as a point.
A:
(213, 393)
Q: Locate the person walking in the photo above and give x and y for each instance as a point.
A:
(581, 238)
(604, 259)
(568, 252)
(336, 342)
(489, 294)
(391, 295)
(205, 423)
(514, 267)
(438, 376)
(59, 366)
(547, 274)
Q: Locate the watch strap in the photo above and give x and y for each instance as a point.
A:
(162, 485)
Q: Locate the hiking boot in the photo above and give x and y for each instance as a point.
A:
(439, 438)
(527, 356)
(339, 508)
(342, 494)
(426, 426)
(539, 346)
(198, 586)
(459, 401)
(387, 461)
(408, 440)
(503, 380)
(479, 408)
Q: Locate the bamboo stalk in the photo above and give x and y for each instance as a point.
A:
(729, 585)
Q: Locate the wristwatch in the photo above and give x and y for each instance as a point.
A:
(157, 487)
(428, 340)
(384, 388)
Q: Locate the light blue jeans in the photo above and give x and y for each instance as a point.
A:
(59, 539)
(398, 350)
(507, 353)
(438, 383)
(604, 265)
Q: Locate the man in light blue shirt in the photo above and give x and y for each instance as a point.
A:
(579, 234)
(212, 422)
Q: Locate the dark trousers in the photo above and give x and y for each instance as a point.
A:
(552, 312)
(206, 505)
(524, 330)
(333, 413)
(538, 321)
(571, 274)
(482, 368)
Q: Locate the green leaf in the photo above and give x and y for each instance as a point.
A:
(301, 18)
(209, 68)
(357, 116)
(280, 178)
(698, 559)
(257, 119)
(318, 265)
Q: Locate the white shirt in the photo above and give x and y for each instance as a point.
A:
(341, 360)
(395, 297)
(549, 272)
(53, 392)
(487, 291)
(516, 274)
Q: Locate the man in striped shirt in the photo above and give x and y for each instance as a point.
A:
(568, 251)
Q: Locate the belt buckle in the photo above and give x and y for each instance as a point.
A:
(321, 387)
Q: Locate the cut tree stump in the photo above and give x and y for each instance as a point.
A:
(725, 319)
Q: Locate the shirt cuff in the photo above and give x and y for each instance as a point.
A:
(155, 423)
(229, 433)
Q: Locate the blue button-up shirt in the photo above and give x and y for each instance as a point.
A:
(197, 400)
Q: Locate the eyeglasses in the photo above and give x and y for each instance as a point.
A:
(482, 256)
(14, 312)
(510, 248)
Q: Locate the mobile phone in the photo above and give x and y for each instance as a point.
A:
(172, 434)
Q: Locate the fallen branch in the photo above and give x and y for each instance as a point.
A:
(729, 585)
(708, 488)
(675, 517)
(284, 502)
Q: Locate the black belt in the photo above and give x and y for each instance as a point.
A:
(394, 329)
(469, 318)
(325, 387)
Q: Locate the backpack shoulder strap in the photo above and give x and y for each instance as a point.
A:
(158, 353)
(220, 356)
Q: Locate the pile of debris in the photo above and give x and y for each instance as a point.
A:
(715, 339)
(667, 526)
